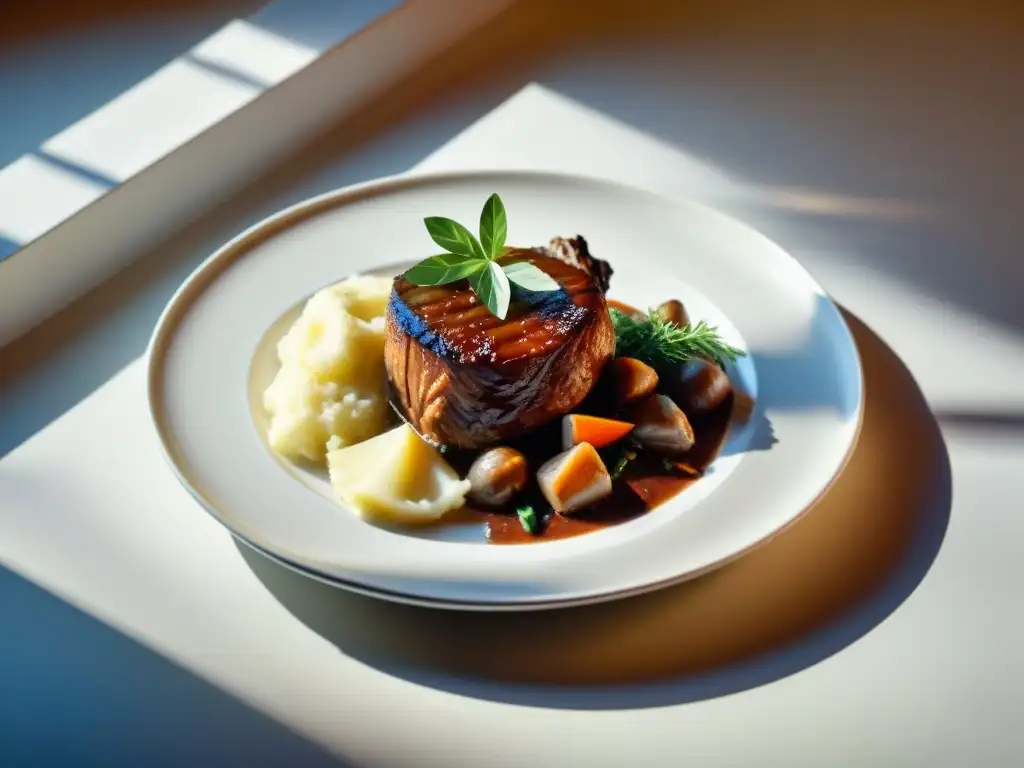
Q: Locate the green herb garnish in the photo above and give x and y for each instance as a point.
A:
(469, 258)
(618, 456)
(493, 225)
(526, 275)
(623, 461)
(441, 269)
(658, 342)
(491, 285)
(528, 518)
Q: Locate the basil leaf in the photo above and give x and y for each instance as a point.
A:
(454, 237)
(442, 269)
(492, 287)
(493, 226)
(529, 276)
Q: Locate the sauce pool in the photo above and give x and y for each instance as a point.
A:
(644, 484)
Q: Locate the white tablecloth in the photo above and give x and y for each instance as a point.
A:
(893, 175)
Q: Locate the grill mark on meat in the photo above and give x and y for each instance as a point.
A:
(469, 316)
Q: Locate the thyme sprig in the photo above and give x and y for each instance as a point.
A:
(659, 342)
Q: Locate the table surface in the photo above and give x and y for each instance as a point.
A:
(882, 148)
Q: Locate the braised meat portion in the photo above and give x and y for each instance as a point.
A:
(465, 378)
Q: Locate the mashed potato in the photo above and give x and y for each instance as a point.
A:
(332, 382)
(395, 477)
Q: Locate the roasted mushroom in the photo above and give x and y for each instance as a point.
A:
(496, 476)
(661, 427)
(673, 312)
(697, 386)
(631, 380)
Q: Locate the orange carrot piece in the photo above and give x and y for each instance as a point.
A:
(579, 428)
(576, 473)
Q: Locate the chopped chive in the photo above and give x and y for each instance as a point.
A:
(528, 518)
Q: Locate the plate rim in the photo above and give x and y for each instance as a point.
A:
(264, 229)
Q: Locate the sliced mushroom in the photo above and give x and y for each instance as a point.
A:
(574, 479)
(497, 476)
(632, 379)
(661, 426)
(697, 386)
(673, 312)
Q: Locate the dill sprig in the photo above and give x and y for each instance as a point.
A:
(658, 342)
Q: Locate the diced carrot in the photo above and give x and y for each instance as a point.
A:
(576, 472)
(580, 428)
(574, 479)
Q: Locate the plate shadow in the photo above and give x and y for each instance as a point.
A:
(817, 587)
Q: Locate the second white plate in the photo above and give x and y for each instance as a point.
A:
(213, 347)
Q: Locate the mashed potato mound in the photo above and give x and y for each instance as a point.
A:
(332, 382)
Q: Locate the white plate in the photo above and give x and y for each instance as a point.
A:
(212, 353)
